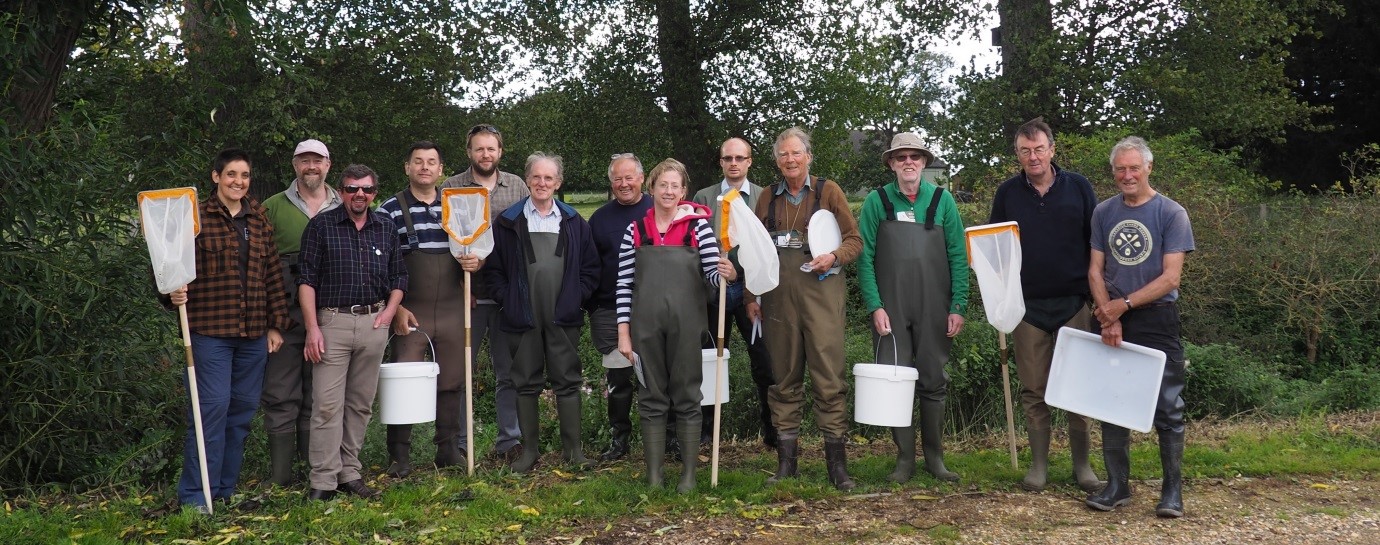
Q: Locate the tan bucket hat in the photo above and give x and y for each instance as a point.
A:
(908, 140)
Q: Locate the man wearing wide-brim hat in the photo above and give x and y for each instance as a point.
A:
(914, 279)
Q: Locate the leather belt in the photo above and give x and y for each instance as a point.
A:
(357, 310)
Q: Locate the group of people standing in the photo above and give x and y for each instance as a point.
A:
(295, 299)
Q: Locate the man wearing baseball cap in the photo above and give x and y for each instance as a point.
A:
(914, 280)
(286, 398)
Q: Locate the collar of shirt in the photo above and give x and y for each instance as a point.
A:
(538, 223)
(294, 196)
(370, 217)
(1053, 167)
(781, 188)
(746, 188)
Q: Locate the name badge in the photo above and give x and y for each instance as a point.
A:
(908, 215)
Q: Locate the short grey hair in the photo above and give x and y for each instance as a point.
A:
(543, 156)
(793, 132)
(1132, 143)
(621, 157)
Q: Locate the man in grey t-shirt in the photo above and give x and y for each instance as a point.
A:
(1139, 240)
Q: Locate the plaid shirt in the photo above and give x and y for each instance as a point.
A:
(350, 266)
(218, 303)
(508, 190)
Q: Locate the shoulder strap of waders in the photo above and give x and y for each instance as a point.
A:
(887, 205)
(934, 206)
(771, 206)
(404, 199)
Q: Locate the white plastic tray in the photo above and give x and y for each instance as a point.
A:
(1115, 385)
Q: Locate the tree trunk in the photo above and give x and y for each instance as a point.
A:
(220, 65)
(682, 83)
(38, 67)
(1027, 40)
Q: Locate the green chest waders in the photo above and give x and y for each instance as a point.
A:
(666, 333)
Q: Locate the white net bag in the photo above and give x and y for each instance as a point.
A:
(466, 210)
(739, 227)
(170, 222)
(994, 253)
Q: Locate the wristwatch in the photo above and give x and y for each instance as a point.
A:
(1128, 302)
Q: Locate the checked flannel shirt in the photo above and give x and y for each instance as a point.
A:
(218, 304)
(350, 266)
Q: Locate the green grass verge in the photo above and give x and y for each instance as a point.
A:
(495, 506)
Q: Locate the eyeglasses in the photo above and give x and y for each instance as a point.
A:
(352, 189)
(914, 157)
(483, 127)
(1027, 152)
(735, 158)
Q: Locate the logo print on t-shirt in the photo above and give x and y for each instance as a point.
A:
(1130, 242)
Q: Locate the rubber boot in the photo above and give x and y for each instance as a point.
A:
(568, 413)
(836, 461)
(529, 424)
(932, 440)
(304, 445)
(1035, 477)
(281, 449)
(1171, 461)
(689, 433)
(399, 451)
(1082, 470)
(768, 430)
(449, 453)
(1117, 456)
(905, 454)
(654, 450)
(619, 409)
(787, 457)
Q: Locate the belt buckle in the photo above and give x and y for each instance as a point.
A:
(359, 310)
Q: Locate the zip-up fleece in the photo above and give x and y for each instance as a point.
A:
(506, 268)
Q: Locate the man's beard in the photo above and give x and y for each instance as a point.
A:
(485, 173)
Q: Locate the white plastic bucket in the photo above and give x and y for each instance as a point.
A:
(885, 394)
(707, 358)
(407, 392)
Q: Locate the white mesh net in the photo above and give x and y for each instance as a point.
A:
(169, 220)
(756, 253)
(994, 252)
(466, 210)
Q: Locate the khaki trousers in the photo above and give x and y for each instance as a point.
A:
(1034, 349)
(343, 388)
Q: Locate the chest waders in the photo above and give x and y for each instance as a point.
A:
(666, 333)
(547, 352)
(804, 328)
(912, 267)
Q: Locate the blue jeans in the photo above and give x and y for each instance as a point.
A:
(229, 378)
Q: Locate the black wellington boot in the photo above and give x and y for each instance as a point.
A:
(620, 407)
(836, 461)
(568, 413)
(399, 451)
(281, 449)
(1117, 456)
(1171, 461)
(529, 425)
(787, 456)
(905, 454)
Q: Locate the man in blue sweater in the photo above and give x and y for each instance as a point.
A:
(608, 224)
(1054, 208)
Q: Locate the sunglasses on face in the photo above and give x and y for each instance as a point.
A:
(352, 189)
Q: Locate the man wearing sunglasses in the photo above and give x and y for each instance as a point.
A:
(735, 158)
(352, 280)
(484, 146)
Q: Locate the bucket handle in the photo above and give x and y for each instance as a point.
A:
(429, 342)
(895, 355)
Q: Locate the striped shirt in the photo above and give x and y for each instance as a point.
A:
(426, 223)
(627, 263)
(350, 266)
(221, 302)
